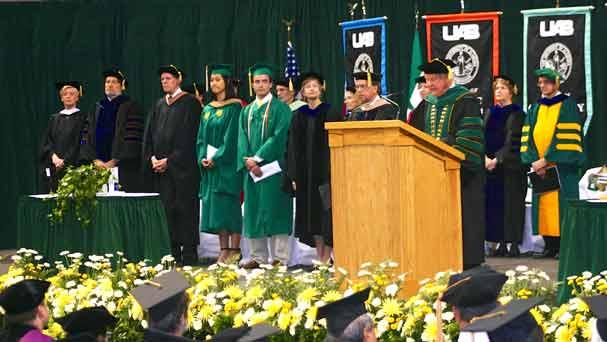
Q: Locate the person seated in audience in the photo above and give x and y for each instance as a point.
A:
(25, 311)
(166, 301)
(348, 320)
(87, 325)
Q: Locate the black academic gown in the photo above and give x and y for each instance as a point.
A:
(384, 110)
(506, 185)
(15, 332)
(170, 133)
(126, 143)
(309, 166)
(153, 335)
(62, 137)
(472, 181)
(521, 329)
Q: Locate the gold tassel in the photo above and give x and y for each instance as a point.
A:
(80, 90)
(206, 78)
(250, 84)
(196, 89)
(438, 311)
(291, 88)
(324, 85)
(178, 72)
(369, 81)
(123, 85)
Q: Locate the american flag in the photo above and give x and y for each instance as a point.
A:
(291, 69)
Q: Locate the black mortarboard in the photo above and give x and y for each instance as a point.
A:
(23, 296)
(351, 88)
(282, 82)
(438, 66)
(171, 69)
(89, 321)
(115, 72)
(598, 306)
(258, 332)
(421, 79)
(502, 315)
(193, 88)
(366, 75)
(508, 80)
(341, 313)
(73, 84)
(160, 295)
(475, 287)
(310, 76)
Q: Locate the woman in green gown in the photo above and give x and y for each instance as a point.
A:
(216, 149)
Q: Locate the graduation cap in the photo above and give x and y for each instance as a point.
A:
(367, 75)
(351, 88)
(502, 315)
(311, 76)
(598, 306)
(171, 69)
(225, 70)
(438, 66)
(69, 84)
(89, 321)
(258, 332)
(549, 73)
(475, 287)
(194, 88)
(341, 313)
(115, 72)
(282, 82)
(23, 296)
(161, 295)
(257, 70)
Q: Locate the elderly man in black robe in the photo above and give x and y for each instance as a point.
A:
(170, 154)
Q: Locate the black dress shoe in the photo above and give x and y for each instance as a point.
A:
(514, 252)
(547, 253)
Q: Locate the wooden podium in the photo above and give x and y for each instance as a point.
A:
(395, 196)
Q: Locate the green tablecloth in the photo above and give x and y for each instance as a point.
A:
(134, 225)
(583, 242)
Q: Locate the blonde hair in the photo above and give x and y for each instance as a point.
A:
(511, 87)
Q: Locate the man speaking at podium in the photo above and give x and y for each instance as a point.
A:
(452, 115)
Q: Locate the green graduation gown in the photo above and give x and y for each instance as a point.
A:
(455, 119)
(262, 132)
(220, 185)
(565, 150)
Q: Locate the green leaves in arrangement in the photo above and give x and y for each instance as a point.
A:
(77, 190)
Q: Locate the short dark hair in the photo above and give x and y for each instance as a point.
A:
(22, 317)
(170, 322)
(351, 89)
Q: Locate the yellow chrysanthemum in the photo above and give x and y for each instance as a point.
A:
(233, 292)
(307, 295)
(284, 319)
(391, 307)
(331, 296)
(254, 293)
(55, 331)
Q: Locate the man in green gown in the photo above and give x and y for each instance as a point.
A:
(262, 139)
(452, 115)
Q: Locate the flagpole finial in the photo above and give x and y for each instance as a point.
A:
(289, 24)
(364, 9)
(351, 8)
(558, 4)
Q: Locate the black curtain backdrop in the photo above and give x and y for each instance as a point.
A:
(41, 43)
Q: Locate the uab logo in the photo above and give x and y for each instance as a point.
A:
(553, 28)
(363, 39)
(453, 33)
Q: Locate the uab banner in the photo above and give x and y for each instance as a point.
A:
(364, 44)
(559, 38)
(471, 41)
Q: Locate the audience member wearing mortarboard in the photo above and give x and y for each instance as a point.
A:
(165, 300)
(373, 107)
(473, 295)
(87, 325)
(255, 333)
(347, 319)
(26, 312)
(598, 307)
(61, 143)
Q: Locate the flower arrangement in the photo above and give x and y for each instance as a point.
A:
(224, 295)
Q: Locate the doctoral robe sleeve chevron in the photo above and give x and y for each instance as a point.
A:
(469, 133)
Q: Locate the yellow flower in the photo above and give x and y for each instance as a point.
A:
(258, 317)
(233, 292)
(136, 310)
(206, 312)
(284, 319)
(391, 307)
(539, 318)
(273, 306)
(331, 296)
(55, 331)
(307, 295)
(253, 294)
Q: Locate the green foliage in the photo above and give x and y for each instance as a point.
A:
(77, 190)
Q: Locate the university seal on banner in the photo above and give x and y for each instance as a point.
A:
(363, 63)
(467, 63)
(557, 56)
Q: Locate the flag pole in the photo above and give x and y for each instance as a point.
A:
(462, 5)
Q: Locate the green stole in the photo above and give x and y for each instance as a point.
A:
(438, 113)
